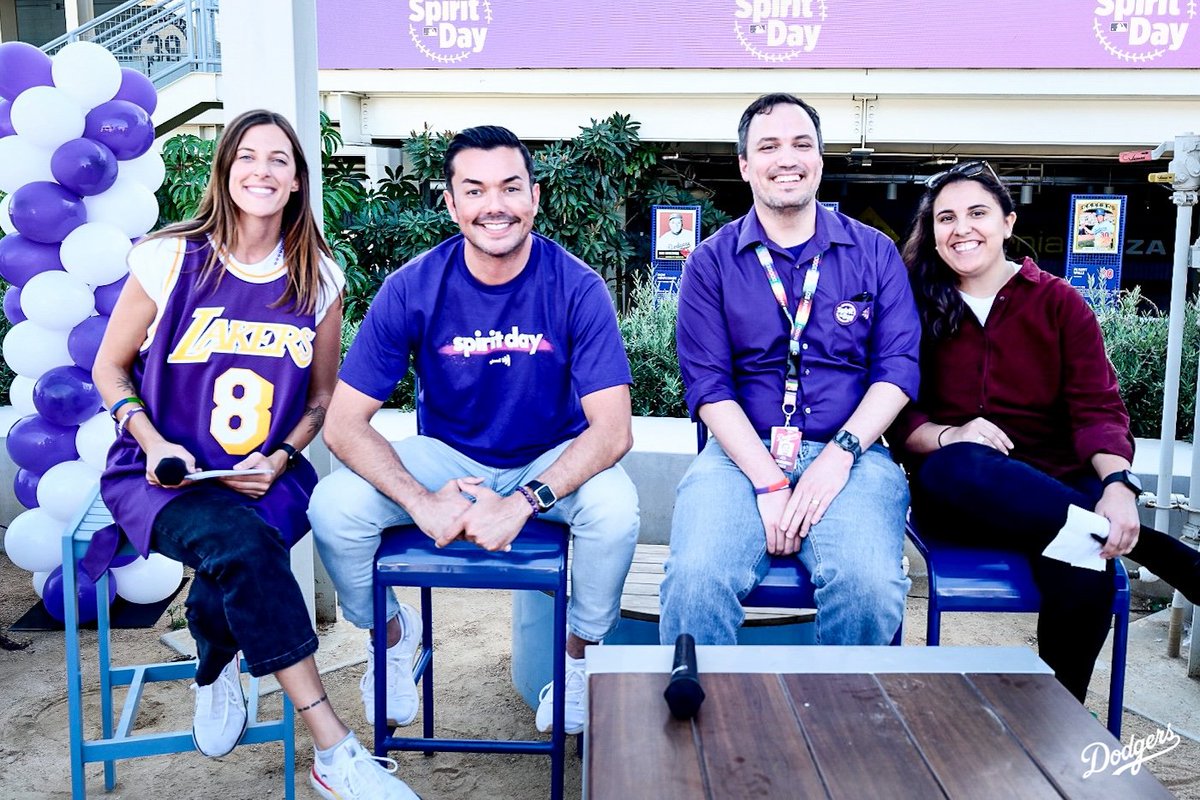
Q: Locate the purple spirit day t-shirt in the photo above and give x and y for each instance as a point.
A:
(500, 369)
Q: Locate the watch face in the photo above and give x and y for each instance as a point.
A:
(545, 496)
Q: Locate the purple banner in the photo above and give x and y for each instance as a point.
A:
(846, 34)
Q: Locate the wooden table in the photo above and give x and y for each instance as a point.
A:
(844, 722)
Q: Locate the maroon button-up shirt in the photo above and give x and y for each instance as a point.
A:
(1037, 370)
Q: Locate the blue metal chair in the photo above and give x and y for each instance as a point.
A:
(119, 741)
(982, 579)
(537, 562)
(787, 583)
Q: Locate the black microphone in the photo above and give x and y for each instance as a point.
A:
(170, 471)
(684, 693)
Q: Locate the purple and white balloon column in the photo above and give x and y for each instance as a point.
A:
(79, 175)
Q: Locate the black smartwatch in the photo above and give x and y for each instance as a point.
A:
(293, 455)
(848, 442)
(1131, 481)
(543, 494)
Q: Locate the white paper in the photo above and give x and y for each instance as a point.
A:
(1074, 543)
(224, 473)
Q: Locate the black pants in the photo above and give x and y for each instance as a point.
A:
(970, 494)
(243, 596)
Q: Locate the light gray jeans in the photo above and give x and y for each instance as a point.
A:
(348, 513)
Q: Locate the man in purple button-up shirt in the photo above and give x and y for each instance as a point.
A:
(841, 507)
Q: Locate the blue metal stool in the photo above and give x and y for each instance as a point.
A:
(982, 579)
(787, 583)
(407, 557)
(119, 741)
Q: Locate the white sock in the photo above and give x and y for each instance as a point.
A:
(326, 755)
(577, 663)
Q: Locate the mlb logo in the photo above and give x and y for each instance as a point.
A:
(429, 30)
(758, 28)
(1119, 27)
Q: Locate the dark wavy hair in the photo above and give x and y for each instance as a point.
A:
(483, 137)
(934, 284)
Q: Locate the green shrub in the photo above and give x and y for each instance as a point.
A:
(648, 329)
(1135, 336)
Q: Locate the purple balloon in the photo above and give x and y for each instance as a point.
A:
(37, 444)
(83, 166)
(46, 212)
(106, 295)
(22, 66)
(84, 341)
(122, 126)
(137, 89)
(25, 487)
(66, 395)
(6, 128)
(12, 305)
(85, 591)
(21, 258)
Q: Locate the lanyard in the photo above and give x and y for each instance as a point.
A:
(791, 383)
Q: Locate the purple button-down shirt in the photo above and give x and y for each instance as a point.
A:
(733, 337)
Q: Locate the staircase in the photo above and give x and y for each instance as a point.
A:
(167, 41)
(164, 40)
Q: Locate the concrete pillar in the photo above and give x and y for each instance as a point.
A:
(8, 20)
(78, 12)
(380, 157)
(269, 60)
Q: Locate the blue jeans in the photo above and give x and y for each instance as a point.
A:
(719, 552)
(348, 513)
(243, 596)
(970, 494)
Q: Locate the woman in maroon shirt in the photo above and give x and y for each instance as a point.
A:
(1019, 433)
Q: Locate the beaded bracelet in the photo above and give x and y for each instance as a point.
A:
(528, 495)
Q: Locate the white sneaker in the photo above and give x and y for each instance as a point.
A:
(356, 775)
(220, 717)
(402, 699)
(575, 713)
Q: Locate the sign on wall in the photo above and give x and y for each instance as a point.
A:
(551, 34)
(1097, 235)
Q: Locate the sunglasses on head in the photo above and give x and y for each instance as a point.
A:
(967, 169)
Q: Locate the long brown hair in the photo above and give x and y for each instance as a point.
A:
(217, 217)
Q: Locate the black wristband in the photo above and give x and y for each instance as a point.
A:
(293, 454)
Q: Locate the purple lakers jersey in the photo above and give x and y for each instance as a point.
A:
(224, 375)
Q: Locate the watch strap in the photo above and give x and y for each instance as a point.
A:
(293, 454)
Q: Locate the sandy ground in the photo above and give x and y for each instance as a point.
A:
(475, 697)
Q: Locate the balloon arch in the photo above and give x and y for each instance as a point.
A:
(79, 175)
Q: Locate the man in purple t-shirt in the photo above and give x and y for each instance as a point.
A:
(798, 343)
(523, 409)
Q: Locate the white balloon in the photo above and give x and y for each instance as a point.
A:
(6, 224)
(30, 349)
(39, 581)
(148, 580)
(47, 116)
(127, 204)
(33, 541)
(22, 162)
(20, 394)
(147, 169)
(10, 414)
(93, 439)
(57, 300)
(65, 487)
(87, 73)
(95, 253)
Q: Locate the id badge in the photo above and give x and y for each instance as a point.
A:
(785, 446)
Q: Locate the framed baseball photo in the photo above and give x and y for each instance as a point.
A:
(674, 232)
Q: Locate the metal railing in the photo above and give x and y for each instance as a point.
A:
(163, 40)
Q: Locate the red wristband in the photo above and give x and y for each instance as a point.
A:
(528, 495)
(778, 486)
